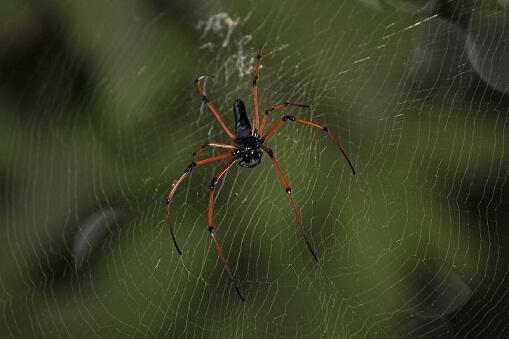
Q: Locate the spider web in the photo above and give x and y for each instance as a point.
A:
(413, 246)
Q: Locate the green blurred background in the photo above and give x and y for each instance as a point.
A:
(99, 115)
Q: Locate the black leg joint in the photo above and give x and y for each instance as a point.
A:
(269, 152)
(212, 184)
(325, 128)
(255, 80)
(205, 99)
(288, 117)
(289, 191)
(167, 202)
(190, 167)
(211, 230)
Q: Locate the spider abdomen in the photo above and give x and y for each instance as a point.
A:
(242, 125)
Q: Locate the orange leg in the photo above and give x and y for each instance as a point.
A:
(179, 181)
(212, 187)
(276, 107)
(254, 92)
(210, 144)
(214, 158)
(288, 190)
(286, 118)
(211, 107)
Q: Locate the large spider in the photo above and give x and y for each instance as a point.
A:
(247, 149)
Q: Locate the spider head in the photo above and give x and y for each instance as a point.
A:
(248, 151)
(251, 159)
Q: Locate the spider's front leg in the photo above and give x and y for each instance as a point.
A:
(212, 187)
(208, 145)
(288, 190)
(176, 184)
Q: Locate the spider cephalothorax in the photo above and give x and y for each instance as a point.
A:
(248, 151)
(249, 145)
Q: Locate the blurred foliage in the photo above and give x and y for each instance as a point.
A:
(98, 110)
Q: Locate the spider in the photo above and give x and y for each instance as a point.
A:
(247, 148)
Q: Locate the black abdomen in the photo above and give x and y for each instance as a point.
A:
(242, 124)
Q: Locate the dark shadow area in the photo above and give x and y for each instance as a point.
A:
(42, 70)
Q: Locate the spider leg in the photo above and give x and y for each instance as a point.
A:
(179, 181)
(254, 92)
(212, 187)
(225, 264)
(210, 144)
(288, 190)
(286, 118)
(211, 107)
(276, 107)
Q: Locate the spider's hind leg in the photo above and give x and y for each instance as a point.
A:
(276, 107)
(323, 128)
(211, 106)
(254, 91)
